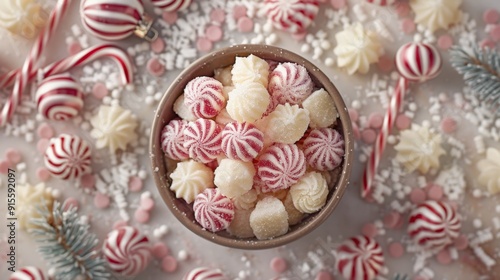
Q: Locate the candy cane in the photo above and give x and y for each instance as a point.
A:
(417, 62)
(23, 76)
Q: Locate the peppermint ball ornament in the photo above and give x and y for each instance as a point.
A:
(68, 157)
(360, 258)
(59, 97)
(172, 5)
(204, 273)
(434, 224)
(116, 19)
(127, 251)
(28, 273)
(418, 62)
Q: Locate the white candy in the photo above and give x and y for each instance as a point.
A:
(321, 108)
(287, 124)
(269, 218)
(234, 177)
(309, 193)
(190, 178)
(250, 69)
(248, 102)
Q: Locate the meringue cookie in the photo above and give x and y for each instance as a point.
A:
(309, 193)
(28, 199)
(489, 170)
(435, 14)
(191, 178)
(250, 69)
(22, 17)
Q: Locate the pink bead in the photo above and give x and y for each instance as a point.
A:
(462, 242)
(299, 36)
(147, 203)
(360, 257)
(212, 210)
(242, 141)
(213, 33)
(169, 17)
(353, 114)
(42, 174)
(101, 201)
(278, 265)
(203, 96)
(292, 16)
(355, 131)
(495, 33)
(375, 120)
(172, 140)
(445, 42)
(99, 90)
(491, 16)
(71, 202)
(396, 250)
(203, 140)
(45, 131)
(487, 43)
(419, 277)
(324, 275)
(338, 4)
(135, 184)
(443, 257)
(159, 250)
(385, 63)
(13, 156)
(281, 166)
(42, 144)
(204, 45)
(290, 83)
(417, 196)
(368, 136)
(141, 216)
(4, 166)
(408, 26)
(158, 45)
(402, 8)
(68, 157)
(435, 192)
(381, 2)
(218, 15)
(403, 122)
(369, 230)
(169, 264)
(392, 220)
(448, 125)
(59, 97)
(155, 67)
(74, 48)
(245, 24)
(87, 181)
(239, 11)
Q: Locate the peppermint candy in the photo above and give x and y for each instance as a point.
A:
(202, 139)
(28, 273)
(360, 258)
(203, 96)
(204, 273)
(324, 149)
(67, 157)
(281, 166)
(242, 141)
(172, 140)
(172, 5)
(418, 62)
(291, 15)
(212, 210)
(290, 83)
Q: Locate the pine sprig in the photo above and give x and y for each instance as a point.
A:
(401, 277)
(68, 245)
(481, 70)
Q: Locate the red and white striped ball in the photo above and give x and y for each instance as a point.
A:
(418, 62)
(360, 258)
(111, 19)
(203, 96)
(242, 141)
(291, 15)
(172, 5)
(202, 139)
(172, 140)
(212, 210)
(290, 83)
(205, 273)
(127, 251)
(434, 224)
(281, 166)
(324, 149)
(28, 273)
(381, 2)
(59, 97)
(68, 157)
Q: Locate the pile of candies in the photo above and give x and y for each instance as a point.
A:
(257, 147)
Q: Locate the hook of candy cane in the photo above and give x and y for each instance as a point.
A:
(416, 62)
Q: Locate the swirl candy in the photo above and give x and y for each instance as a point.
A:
(172, 140)
(242, 141)
(127, 251)
(67, 157)
(59, 97)
(204, 273)
(202, 139)
(281, 166)
(324, 149)
(293, 16)
(28, 273)
(248, 102)
(290, 83)
(309, 193)
(360, 258)
(172, 5)
(203, 95)
(212, 210)
(434, 224)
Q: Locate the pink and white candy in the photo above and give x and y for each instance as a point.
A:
(127, 251)
(172, 140)
(281, 166)
(28, 273)
(290, 83)
(202, 139)
(324, 149)
(172, 5)
(360, 258)
(381, 2)
(68, 157)
(203, 96)
(59, 97)
(242, 141)
(291, 15)
(212, 210)
(434, 224)
(205, 273)
(111, 19)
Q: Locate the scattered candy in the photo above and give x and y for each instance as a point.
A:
(172, 5)
(294, 16)
(381, 2)
(67, 157)
(360, 257)
(45, 131)
(99, 90)
(396, 250)
(101, 201)
(436, 15)
(204, 273)
(155, 67)
(169, 264)
(212, 210)
(245, 24)
(28, 273)
(59, 97)
(159, 250)
(278, 264)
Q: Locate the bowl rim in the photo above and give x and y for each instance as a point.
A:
(158, 159)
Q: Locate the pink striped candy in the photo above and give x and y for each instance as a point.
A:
(212, 210)
(111, 19)
(59, 97)
(28, 273)
(418, 62)
(290, 83)
(360, 258)
(381, 2)
(172, 140)
(203, 96)
(172, 5)
(127, 251)
(205, 273)
(434, 224)
(291, 15)
(324, 149)
(242, 141)
(67, 157)
(202, 139)
(281, 166)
